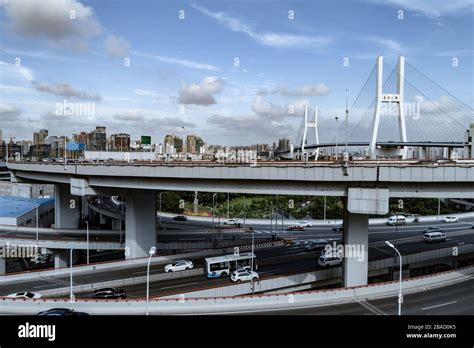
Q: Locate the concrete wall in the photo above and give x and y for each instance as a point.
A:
(26, 190)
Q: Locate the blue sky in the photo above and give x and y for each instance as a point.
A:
(182, 71)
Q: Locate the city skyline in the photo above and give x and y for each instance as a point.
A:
(239, 94)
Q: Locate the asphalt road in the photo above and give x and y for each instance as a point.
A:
(456, 299)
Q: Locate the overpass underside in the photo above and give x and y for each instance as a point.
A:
(365, 189)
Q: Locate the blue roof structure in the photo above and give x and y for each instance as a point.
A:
(11, 206)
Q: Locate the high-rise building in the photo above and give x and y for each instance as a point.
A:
(38, 137)
(175, 141)
(120, 142)
(283, 144)
(193, 144)
(98, 139)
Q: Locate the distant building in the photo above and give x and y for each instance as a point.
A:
(469, 142)
(98, 139)
(283, 144)
(193, 144)
(120, 142)
(38, 137)
(173, 142)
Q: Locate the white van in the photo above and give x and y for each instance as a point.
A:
(432, 237)
(396, 220)
(329, 259)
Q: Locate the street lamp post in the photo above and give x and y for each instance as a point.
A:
(213, 207)
(337, 135)
(159, 217)
(152, 252)
(71, 295)
(87, 240)
(400, 296)
(347, 120)
(37, 223)
(228, 204)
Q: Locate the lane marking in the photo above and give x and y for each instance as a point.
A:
(440, 305)
(371, 307)
(177, 286)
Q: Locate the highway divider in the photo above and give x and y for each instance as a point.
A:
(183, 305)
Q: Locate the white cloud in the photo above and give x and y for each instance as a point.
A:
(269, 38)
(432, 8)
(51, 19)
(9, 113)
(202, 93)
(304, 91)
(131, 115)
(183, 62)
(270, 111)
(65, 90)
(16, 71)
(117, 46)
(145, 93)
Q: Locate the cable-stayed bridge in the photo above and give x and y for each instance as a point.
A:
(391, 113)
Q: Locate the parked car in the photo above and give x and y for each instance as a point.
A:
(329, 259)
(179, 265)
(305, 223)
(433, 237)
(180, 218)
(110, 293)
(396, 220)
(231, 222)
(25, 295)
(316, 244)
(450, 219)
(242, 275)
(61, 312)
(338, 228)
(296, 228)
(432, 229)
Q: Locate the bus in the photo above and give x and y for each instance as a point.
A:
(222, 266)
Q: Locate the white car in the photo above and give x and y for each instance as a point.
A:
(328, 259)
(243, 275)
(231, 222)
(179, 265)
(450, 219)
(25, 295)
(305, 223)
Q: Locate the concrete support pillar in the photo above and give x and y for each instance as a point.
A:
(3, 266)
(61, 258)
(355, 238)
(140, 223)
(66, 207)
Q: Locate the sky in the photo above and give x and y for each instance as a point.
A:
(232, 72)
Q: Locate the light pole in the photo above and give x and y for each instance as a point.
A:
(227, 205)
(37, 223)
(251, 265)
(324, 210)
(152, 252)
(337, 135)
(213, 207)
(87, 239)
(159, 218)
(71, 296)
(400, 296)
(347, 117)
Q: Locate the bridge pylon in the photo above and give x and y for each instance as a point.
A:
(313, 125)
(384, 98)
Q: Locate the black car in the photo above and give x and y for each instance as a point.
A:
(316, 245)
(61, 312)
(180, 218)
(432, 229)
(338, 228)
(110, 293)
